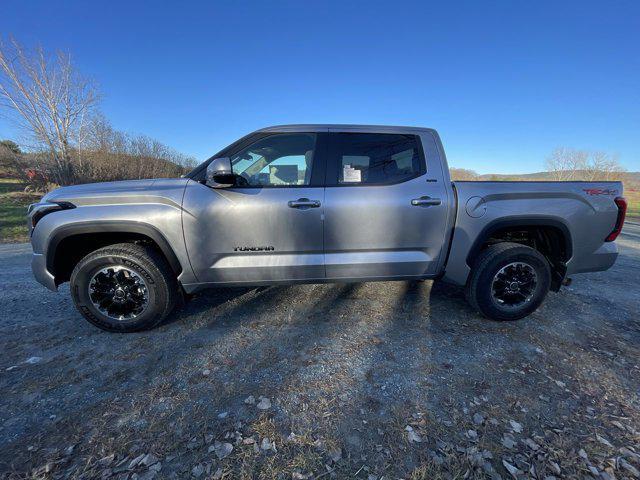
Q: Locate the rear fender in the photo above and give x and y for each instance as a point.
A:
(466, 244)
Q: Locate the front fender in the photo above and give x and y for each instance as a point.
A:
(160, 222)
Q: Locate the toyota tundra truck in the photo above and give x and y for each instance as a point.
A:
(314, 204)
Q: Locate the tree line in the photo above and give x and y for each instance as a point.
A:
(563, 164)
(66, 139)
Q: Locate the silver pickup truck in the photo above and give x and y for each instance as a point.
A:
(319, 203)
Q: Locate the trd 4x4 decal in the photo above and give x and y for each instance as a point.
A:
(600, 191)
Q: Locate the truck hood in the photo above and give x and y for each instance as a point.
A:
(127, 191)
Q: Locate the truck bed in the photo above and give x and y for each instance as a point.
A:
(583, 211)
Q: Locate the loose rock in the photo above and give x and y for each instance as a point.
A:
(267, 444)
(629, 468)
(514, 471)
(222, 449)
(508, 441)
(515, 426)
(264, 403)
(149, 459)
(197, 471)
(412, 435)
(603, 441)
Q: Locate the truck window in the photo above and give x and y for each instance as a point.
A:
(375, 158)
(276, 160)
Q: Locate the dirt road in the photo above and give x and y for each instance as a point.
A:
(391, 380)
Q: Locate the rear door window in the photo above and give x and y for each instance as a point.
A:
(374, 158)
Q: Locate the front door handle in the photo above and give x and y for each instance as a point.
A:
(303, 203)
(425, 201)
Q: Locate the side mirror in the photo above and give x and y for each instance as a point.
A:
(219, 173)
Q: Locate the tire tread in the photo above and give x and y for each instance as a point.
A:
(482, 262)
(148, 258)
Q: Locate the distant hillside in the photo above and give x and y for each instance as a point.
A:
(629, 176)
(631, 181)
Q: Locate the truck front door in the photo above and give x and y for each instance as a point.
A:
(268, 228)
(385, 206)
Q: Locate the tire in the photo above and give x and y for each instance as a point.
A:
(492, 288)
(146, 289)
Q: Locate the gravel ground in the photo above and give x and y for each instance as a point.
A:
(375, 380)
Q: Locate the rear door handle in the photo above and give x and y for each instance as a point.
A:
(303, 203)
(425, 201)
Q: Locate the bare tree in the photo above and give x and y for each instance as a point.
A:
(50, 101)
(113, 155)
(603, 166)
(570, 164)
(565, 163)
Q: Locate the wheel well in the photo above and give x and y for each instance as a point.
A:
(550, 241)
(73, 248)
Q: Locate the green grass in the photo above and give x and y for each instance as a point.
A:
(13, 210)
(10, 185)
(633, 202)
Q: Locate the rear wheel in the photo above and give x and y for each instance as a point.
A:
(124, 287)
(508, 281)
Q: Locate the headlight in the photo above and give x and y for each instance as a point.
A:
(38, 210)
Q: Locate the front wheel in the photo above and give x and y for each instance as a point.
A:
(508, 281)
(124, 287)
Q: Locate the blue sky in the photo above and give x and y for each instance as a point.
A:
(504, 82)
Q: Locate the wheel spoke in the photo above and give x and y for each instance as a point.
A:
(514, 284)
(118, 292)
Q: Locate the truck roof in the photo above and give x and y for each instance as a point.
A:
(337, 127)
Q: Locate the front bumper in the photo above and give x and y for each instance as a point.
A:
(43, 276)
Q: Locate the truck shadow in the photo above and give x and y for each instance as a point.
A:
(340, 364)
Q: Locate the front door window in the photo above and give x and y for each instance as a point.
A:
(278, 160)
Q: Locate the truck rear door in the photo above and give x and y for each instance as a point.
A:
(386, 206)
